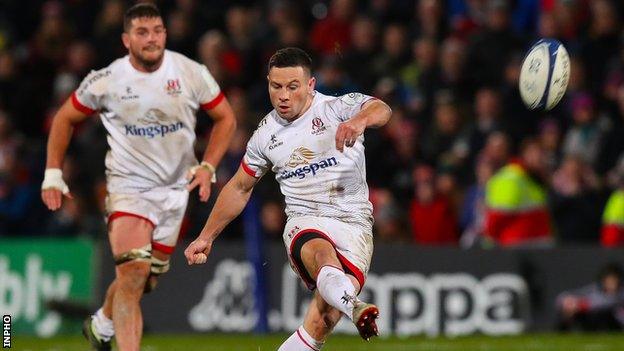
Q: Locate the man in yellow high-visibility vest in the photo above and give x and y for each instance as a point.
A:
(517, 213)
(613, 219)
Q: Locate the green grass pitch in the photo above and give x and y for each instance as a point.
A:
(248, 342)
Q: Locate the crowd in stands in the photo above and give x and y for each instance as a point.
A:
(462, 161)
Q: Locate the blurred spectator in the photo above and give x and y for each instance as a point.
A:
(388, 216)
(452, 62)
(613, 140)
(518, 120)
(243, 61)
(107, 29)
(214, 53)
(585, 137)
(601, 46)
(332, 80)
(17, 193)
(362, 52)
(491, 49)
(394, 52)
(8, 78)
(440, 142)
(612, 234)
(398, 143)
(517, 212)
(472, 215)
(431, 214)
(550, 139)
(548, 26)
(272, 218)
(569, 15)
(10, 141)
(422, 75)
(53, 36)
(179, 36)
(332, 34)
(595, 307)
(574, 202)
(430, 20)
(497, 149)
(487, 109)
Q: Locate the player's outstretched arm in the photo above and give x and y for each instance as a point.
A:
(53, 187)
(230, 203)
(374, 114)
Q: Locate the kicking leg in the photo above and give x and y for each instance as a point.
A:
(337, 288)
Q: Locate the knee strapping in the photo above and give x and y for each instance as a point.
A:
(159, 266)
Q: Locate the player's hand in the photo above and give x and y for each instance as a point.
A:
(197, 252)
(203, 179)
(53, 189)
(348, 132)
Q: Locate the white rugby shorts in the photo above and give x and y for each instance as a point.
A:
(163, 207)
(353, 244)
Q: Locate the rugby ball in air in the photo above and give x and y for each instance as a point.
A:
(544, 75)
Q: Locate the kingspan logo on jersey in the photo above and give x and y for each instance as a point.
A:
(154, 124)
(303, 156)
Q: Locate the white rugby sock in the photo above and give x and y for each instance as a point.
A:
(300, 340)
(103, 325)
(336, 289)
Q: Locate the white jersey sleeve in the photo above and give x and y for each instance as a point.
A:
(346, 106)
(89, 95)
(208, 92)
(255, 163)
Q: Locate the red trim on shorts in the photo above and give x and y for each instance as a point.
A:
(214, 102)
(343, 260)
(305, 342)
(118, 214)
(358, 274)
(79, 106)
(248, 170)
(162, 248)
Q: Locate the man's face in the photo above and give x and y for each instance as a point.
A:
(290, 90)
(145, 40)
(533, 158)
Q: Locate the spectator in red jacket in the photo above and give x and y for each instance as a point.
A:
(431, 215)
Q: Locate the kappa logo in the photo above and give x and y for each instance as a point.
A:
(173, 87)
(318, 127)
(300, 156)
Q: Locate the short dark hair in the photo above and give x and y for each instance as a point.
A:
(144, 9)
(291, 57)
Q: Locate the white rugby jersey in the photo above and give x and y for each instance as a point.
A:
(150, 119)
(315, 178)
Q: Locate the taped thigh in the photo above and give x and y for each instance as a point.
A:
(142, 254)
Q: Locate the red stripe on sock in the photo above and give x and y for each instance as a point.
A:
(305, 342)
